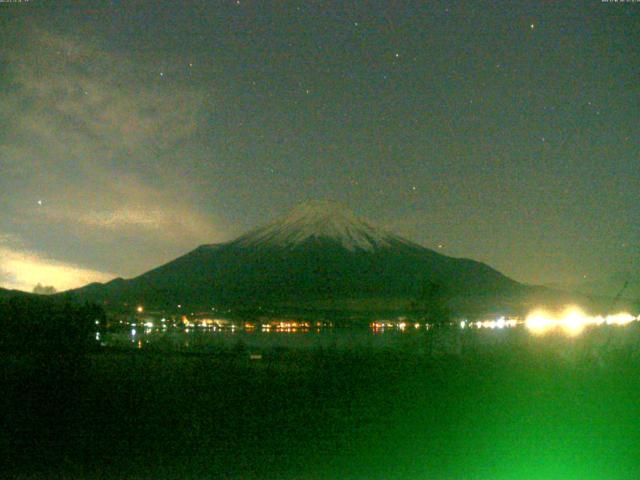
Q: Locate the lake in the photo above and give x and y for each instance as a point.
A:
(340, 403)
(414, 339)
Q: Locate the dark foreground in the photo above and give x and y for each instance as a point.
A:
(520, 410)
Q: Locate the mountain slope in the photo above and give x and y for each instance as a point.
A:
(4, 293)
(319, 251)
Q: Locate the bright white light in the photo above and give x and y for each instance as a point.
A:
(620, 319)
(572, 321)
(539, 322)
(500, 323)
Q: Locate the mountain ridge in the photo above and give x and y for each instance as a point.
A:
(319, 251)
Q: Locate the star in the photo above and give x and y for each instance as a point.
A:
(532, 26)
(39, 202)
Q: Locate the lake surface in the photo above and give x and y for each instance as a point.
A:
(507, 405)
(416, 339)
(351, 403)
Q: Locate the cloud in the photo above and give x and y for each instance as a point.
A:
(87, 151)
(73, 109)
(133, 207)
(75, 87)
(155, 219)
(23, 270)
(148, 219)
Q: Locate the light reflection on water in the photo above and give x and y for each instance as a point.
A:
(299, 338)
(411, 337)
(400, 332)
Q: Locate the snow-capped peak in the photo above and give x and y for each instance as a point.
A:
(320, 220)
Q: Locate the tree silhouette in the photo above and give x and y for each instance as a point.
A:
(432, 302)
(41, 324)
(44, 290)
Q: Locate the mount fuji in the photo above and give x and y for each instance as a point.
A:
(318, 255)
(320, 220)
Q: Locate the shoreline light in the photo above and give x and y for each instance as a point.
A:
(572, 321)
(499, 323)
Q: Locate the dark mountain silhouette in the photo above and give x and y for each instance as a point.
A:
(4, 293)
(319, 254)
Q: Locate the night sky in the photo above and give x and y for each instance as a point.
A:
(506, 132)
